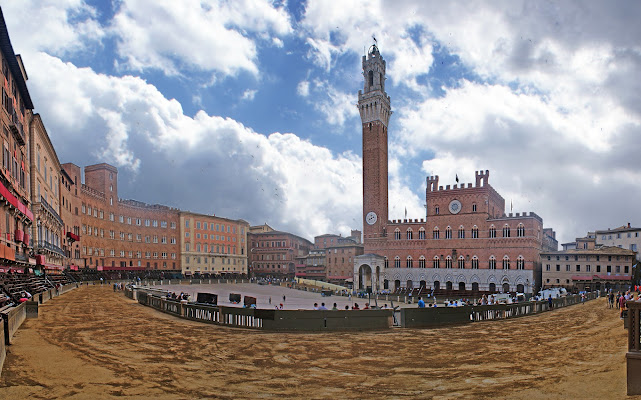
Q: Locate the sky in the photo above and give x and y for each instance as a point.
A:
(247, 108)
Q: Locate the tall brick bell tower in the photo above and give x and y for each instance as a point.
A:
(375, 110)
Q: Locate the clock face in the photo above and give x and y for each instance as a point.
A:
(370, 218)
(455, 206)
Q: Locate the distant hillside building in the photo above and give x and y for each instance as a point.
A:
(625, 237)
(466, 242)
(331, 259)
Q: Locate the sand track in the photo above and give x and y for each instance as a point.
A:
(92, 343)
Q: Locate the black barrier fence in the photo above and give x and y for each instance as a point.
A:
(436, 316)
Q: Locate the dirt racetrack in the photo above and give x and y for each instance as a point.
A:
(92, 343)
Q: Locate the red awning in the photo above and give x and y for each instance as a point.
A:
(103, 268)
(581, 278)
(4, 192)
(614, 277)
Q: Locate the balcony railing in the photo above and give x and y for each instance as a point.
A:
(16, 128)
(50, 209)
(43, 244)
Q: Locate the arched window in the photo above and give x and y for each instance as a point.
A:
(197, 246)
(520, 263)
(371, 78)
(475, 232)
(397, 234)
(492, 262)
(461, 232)
(461, 262)
(448, 233)
(409, 233)
(386, 263)
(421, 233)
(506, 262)
(520, 231)
(436, 262)
(421, 262)
(448, 262)
(397, 262)
(408, 262)
(473, 207)
(492, 231)
(506, 230)
(475, 262)
(435, 233)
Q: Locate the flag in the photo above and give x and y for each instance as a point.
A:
(456, 178)
(405, 212)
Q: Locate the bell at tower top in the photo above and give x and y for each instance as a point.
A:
(374, 70)
(373, 102)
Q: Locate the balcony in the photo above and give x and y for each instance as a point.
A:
(44, 245)
(15, 126)
(21, 257)
(53, 212)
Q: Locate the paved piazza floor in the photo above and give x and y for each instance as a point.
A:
(294, 299)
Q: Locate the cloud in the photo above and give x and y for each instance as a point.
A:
(211, 164)
(303, 88)
(153, 34)
(248, 95)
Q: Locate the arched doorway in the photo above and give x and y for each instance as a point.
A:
(448, 285)
(437, 285)
(520, 288)
(397, 284)
(386, 284)
(409, 284)
(506, 287)
(492, 287)
(365, 277)
(461, 286)
(475, 286)
(422, 284)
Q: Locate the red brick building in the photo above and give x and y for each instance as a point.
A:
(125, 234)
(331, 259)
(466, 241)
(16, 217)
(71, 204)
(274, 253)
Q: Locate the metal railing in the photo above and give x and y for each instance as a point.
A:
(53, 212)
(43, 244)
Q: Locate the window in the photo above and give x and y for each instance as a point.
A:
(567, 268)
(121, 219)
(461, 232)
(409, 262)
(448, 262)
(558, 267)
(421, 262)
(397, 262)
(520, 231)
(147, 223)
(409, 234)
(436, 210)
(397, 234)
(578, 268)
(435, 233)
(448, 233)
(588, 268)
(473, 207)
(492, 263)
(492, 231)
(506, 231)
(111, 217)
(154, 223)
(436, 262)
(421, 234)
(618, 269)
(475, 232)
(506, 262)
(547, 267)
(598, 268)
(461, 262)
(386, 263)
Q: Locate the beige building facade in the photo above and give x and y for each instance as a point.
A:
(213, 246)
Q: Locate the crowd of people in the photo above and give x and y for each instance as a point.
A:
(620, 300)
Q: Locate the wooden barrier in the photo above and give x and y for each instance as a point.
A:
(3, 348)
(13, 317)
(31, 309)
(437, 316)
(272, 320)
(633, 356)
